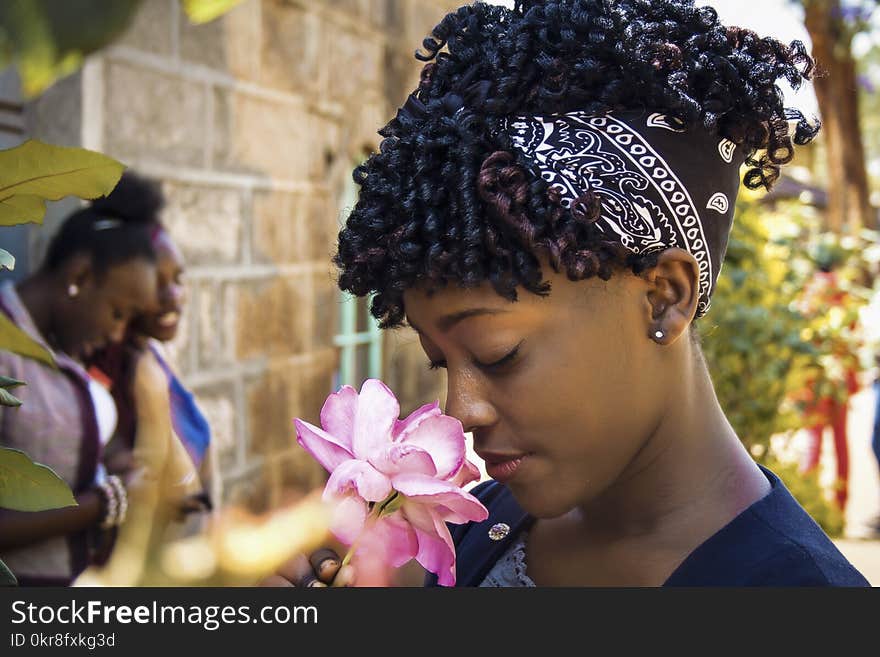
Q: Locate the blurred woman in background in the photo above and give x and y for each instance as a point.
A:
(161, 429)
(99, 272)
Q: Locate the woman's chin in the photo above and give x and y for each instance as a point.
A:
(538, 503)
(163, 333)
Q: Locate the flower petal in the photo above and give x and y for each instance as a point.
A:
(371, 566)
(377, 411)
(397, 537)
(338, 413)
(403, 427)
(450, 502)
(436, 549)
(468, 473)
(362, 477)
(442, 437)
(325, 448)
(396, 458)
(347, 519)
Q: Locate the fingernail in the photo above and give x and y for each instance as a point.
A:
(327, 564)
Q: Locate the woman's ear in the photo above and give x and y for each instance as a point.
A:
(77, 273)
(672, 295)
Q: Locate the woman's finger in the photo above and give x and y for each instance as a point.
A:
(345, 576)
(276, 581)
(296, 570)
(311, 581)
(325, 564)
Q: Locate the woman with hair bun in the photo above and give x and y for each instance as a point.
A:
(549, 211)
(99, 272)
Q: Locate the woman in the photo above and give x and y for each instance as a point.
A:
(99, 272)
(826, 396)
(161, 429)
(549, 211)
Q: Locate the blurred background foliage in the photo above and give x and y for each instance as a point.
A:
(46, 40)
(773, 337)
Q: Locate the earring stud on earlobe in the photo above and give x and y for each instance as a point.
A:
(72, 290)
(659, 335)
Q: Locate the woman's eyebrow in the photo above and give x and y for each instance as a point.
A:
(448, 321)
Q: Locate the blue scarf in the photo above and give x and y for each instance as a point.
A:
(186, 418)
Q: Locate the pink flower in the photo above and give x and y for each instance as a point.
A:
(394, 483)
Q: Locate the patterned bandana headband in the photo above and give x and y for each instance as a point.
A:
(660, 186)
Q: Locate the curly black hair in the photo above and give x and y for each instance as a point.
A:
(448, 199)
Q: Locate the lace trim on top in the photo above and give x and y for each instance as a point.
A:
(510, 569)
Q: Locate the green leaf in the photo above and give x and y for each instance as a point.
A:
(22, 209)
(7, 399)
(29, 486)
(48, 39)
(202, 11)
(17, 341)
(34, 172)
(7, 260)
(10, 383)
(6, 576)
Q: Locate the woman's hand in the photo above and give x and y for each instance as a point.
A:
(323, 568)
(195, 503)
(118, 460)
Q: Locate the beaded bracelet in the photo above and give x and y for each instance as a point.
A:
(121, 498)
(111, 511)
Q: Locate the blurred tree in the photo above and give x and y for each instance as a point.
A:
(832, 24)
(868, 72)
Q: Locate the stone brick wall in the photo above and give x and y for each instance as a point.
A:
(253, 123)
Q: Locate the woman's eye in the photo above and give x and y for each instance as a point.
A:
(508, 358)
(118, 315)
(503, 361)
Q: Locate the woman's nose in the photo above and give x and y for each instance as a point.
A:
(466, 401)
(173, 294)
(118, 332)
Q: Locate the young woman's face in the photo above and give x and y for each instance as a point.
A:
(560, 392)
(104, 306)
(163, 323)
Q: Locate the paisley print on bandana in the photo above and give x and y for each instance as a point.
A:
(645, 204)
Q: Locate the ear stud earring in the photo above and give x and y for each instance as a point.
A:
(72, 290)
(659, 335)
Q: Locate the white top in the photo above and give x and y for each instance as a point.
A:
(107, 416)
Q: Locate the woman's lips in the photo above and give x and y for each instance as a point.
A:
(503, 468)
(168, 320)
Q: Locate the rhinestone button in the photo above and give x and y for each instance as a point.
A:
(498, 531)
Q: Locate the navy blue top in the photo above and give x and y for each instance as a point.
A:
(772, 543)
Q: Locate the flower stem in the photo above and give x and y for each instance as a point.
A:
(376, 512)
(350, 553)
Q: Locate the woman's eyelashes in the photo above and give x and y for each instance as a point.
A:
(496, 365)
(503, 362)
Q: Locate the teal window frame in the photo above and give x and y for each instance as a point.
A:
(349, 339)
